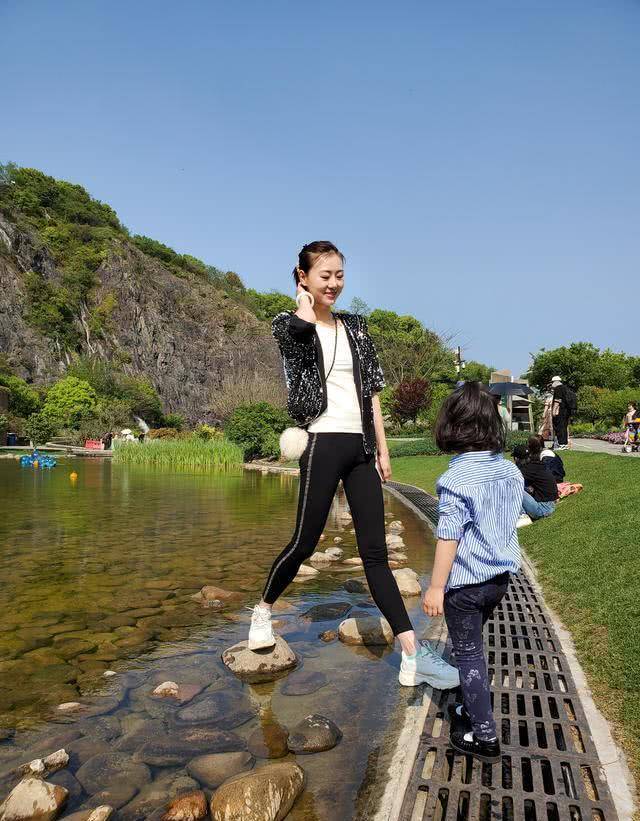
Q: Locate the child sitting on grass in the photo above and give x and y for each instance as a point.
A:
(540, 485)
(480, 501)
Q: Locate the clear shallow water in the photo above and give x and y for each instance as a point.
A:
(98, 574)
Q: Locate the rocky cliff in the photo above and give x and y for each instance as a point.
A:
(182, 332)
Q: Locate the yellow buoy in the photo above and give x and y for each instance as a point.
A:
(73, 476)
(35, 464)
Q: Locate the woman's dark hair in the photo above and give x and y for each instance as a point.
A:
(469, 420)
(310, 253)
(535, 447)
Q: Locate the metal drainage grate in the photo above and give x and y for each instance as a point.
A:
(550, 769)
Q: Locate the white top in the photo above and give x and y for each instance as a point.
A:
(343, 409)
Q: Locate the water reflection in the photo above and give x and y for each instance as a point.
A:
(98, 574)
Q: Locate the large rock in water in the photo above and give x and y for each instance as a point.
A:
(225, 709)
(269, 741)
(408, 583)
(107, 769)
(33, 799)
(213, 770)
(267, 794)
(371, 630)
(314, 734)
(189, 807)
(178, 748)
(260, 665)
(327, 612)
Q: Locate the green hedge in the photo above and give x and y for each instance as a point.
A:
(256, 428)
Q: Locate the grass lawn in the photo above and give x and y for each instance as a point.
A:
(588, 559)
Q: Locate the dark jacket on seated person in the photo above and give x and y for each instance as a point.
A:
(539, 481)
(555, 464)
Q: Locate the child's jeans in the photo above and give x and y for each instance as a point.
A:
(537, 510)
(466, 610)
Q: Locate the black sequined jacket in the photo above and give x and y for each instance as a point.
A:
(305, 372)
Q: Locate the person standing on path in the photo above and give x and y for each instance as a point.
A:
(479, 502)
(564, 407)
(333, 379)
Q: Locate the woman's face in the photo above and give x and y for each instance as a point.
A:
(325, 280)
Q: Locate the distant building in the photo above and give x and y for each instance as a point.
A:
(515, 410)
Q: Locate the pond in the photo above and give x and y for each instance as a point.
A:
(98, 574)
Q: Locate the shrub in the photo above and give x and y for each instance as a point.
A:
(257, 428)
(4, 425)
(174, 420)
(439, 392)
(40, 427)
(69, 401)
(604, 407)
(163, 433)
(23, 399)
(516, 437)
(409, 398)
(207, 432)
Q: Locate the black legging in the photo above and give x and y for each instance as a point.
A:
(328, 458)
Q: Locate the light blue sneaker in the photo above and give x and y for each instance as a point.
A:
(427, 667)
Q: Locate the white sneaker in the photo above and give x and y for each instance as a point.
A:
(524, 520)
(427, 667)
(260, 632)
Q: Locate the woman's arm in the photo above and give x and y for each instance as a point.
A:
(382, 458)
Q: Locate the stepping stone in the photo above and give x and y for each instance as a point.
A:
(371, 631)
(187, 743)
(33, 798)
(225, 709)
(266, 794)
(356, 586)
(189, 807)
(301, 683)
(260, 665)
(107, 769)
(408, 583)
(395, 526)
(314, 734)
(356, 561)
(328, 635)
(327, 612)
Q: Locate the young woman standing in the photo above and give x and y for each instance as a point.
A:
(333, 378)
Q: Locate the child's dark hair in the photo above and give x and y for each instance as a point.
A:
(469, 420)
(535, 447)
(520, 454)
(310, 253)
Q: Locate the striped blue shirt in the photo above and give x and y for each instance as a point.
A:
(480, 500)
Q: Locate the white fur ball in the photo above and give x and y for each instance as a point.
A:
(293, 442)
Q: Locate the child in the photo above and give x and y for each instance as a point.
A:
(540, 486)
(477, 550)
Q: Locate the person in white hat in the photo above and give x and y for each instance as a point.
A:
(564, 406)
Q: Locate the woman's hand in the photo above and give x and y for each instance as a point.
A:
(305, 311)
(383, 464)
(433, 601)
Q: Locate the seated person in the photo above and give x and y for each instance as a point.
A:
(540, 486)
(550, 458)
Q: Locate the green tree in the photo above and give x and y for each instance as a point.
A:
(359, 306)
(24, 399)
(40, 427)
(581, 363)
(476, 371)
(257, 428)
(69, 401)
(407, 349)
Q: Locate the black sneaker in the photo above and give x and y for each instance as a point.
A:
(459, 715)
(468, 744)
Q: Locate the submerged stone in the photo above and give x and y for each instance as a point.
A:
(266, 794)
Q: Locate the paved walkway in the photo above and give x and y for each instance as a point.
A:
(598, 446)
(558, 762)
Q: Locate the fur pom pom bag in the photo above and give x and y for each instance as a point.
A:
(293, 442)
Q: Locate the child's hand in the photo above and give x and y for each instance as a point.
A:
(433, 601)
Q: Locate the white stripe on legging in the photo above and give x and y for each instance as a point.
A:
(299, 532)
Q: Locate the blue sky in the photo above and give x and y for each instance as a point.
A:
(478, 163)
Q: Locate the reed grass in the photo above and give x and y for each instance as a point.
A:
(183, 454)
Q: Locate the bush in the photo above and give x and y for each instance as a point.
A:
(174, 420)
(207, 432)
(69, 401)
(40, 427)
(439, 392)
(163, 433)
(4, 425)
(409, 398)
(604, 407)
(23, 399)
(257, 428)
(516, 437)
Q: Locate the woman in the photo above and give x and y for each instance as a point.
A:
(333, 378)
(540, 486)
